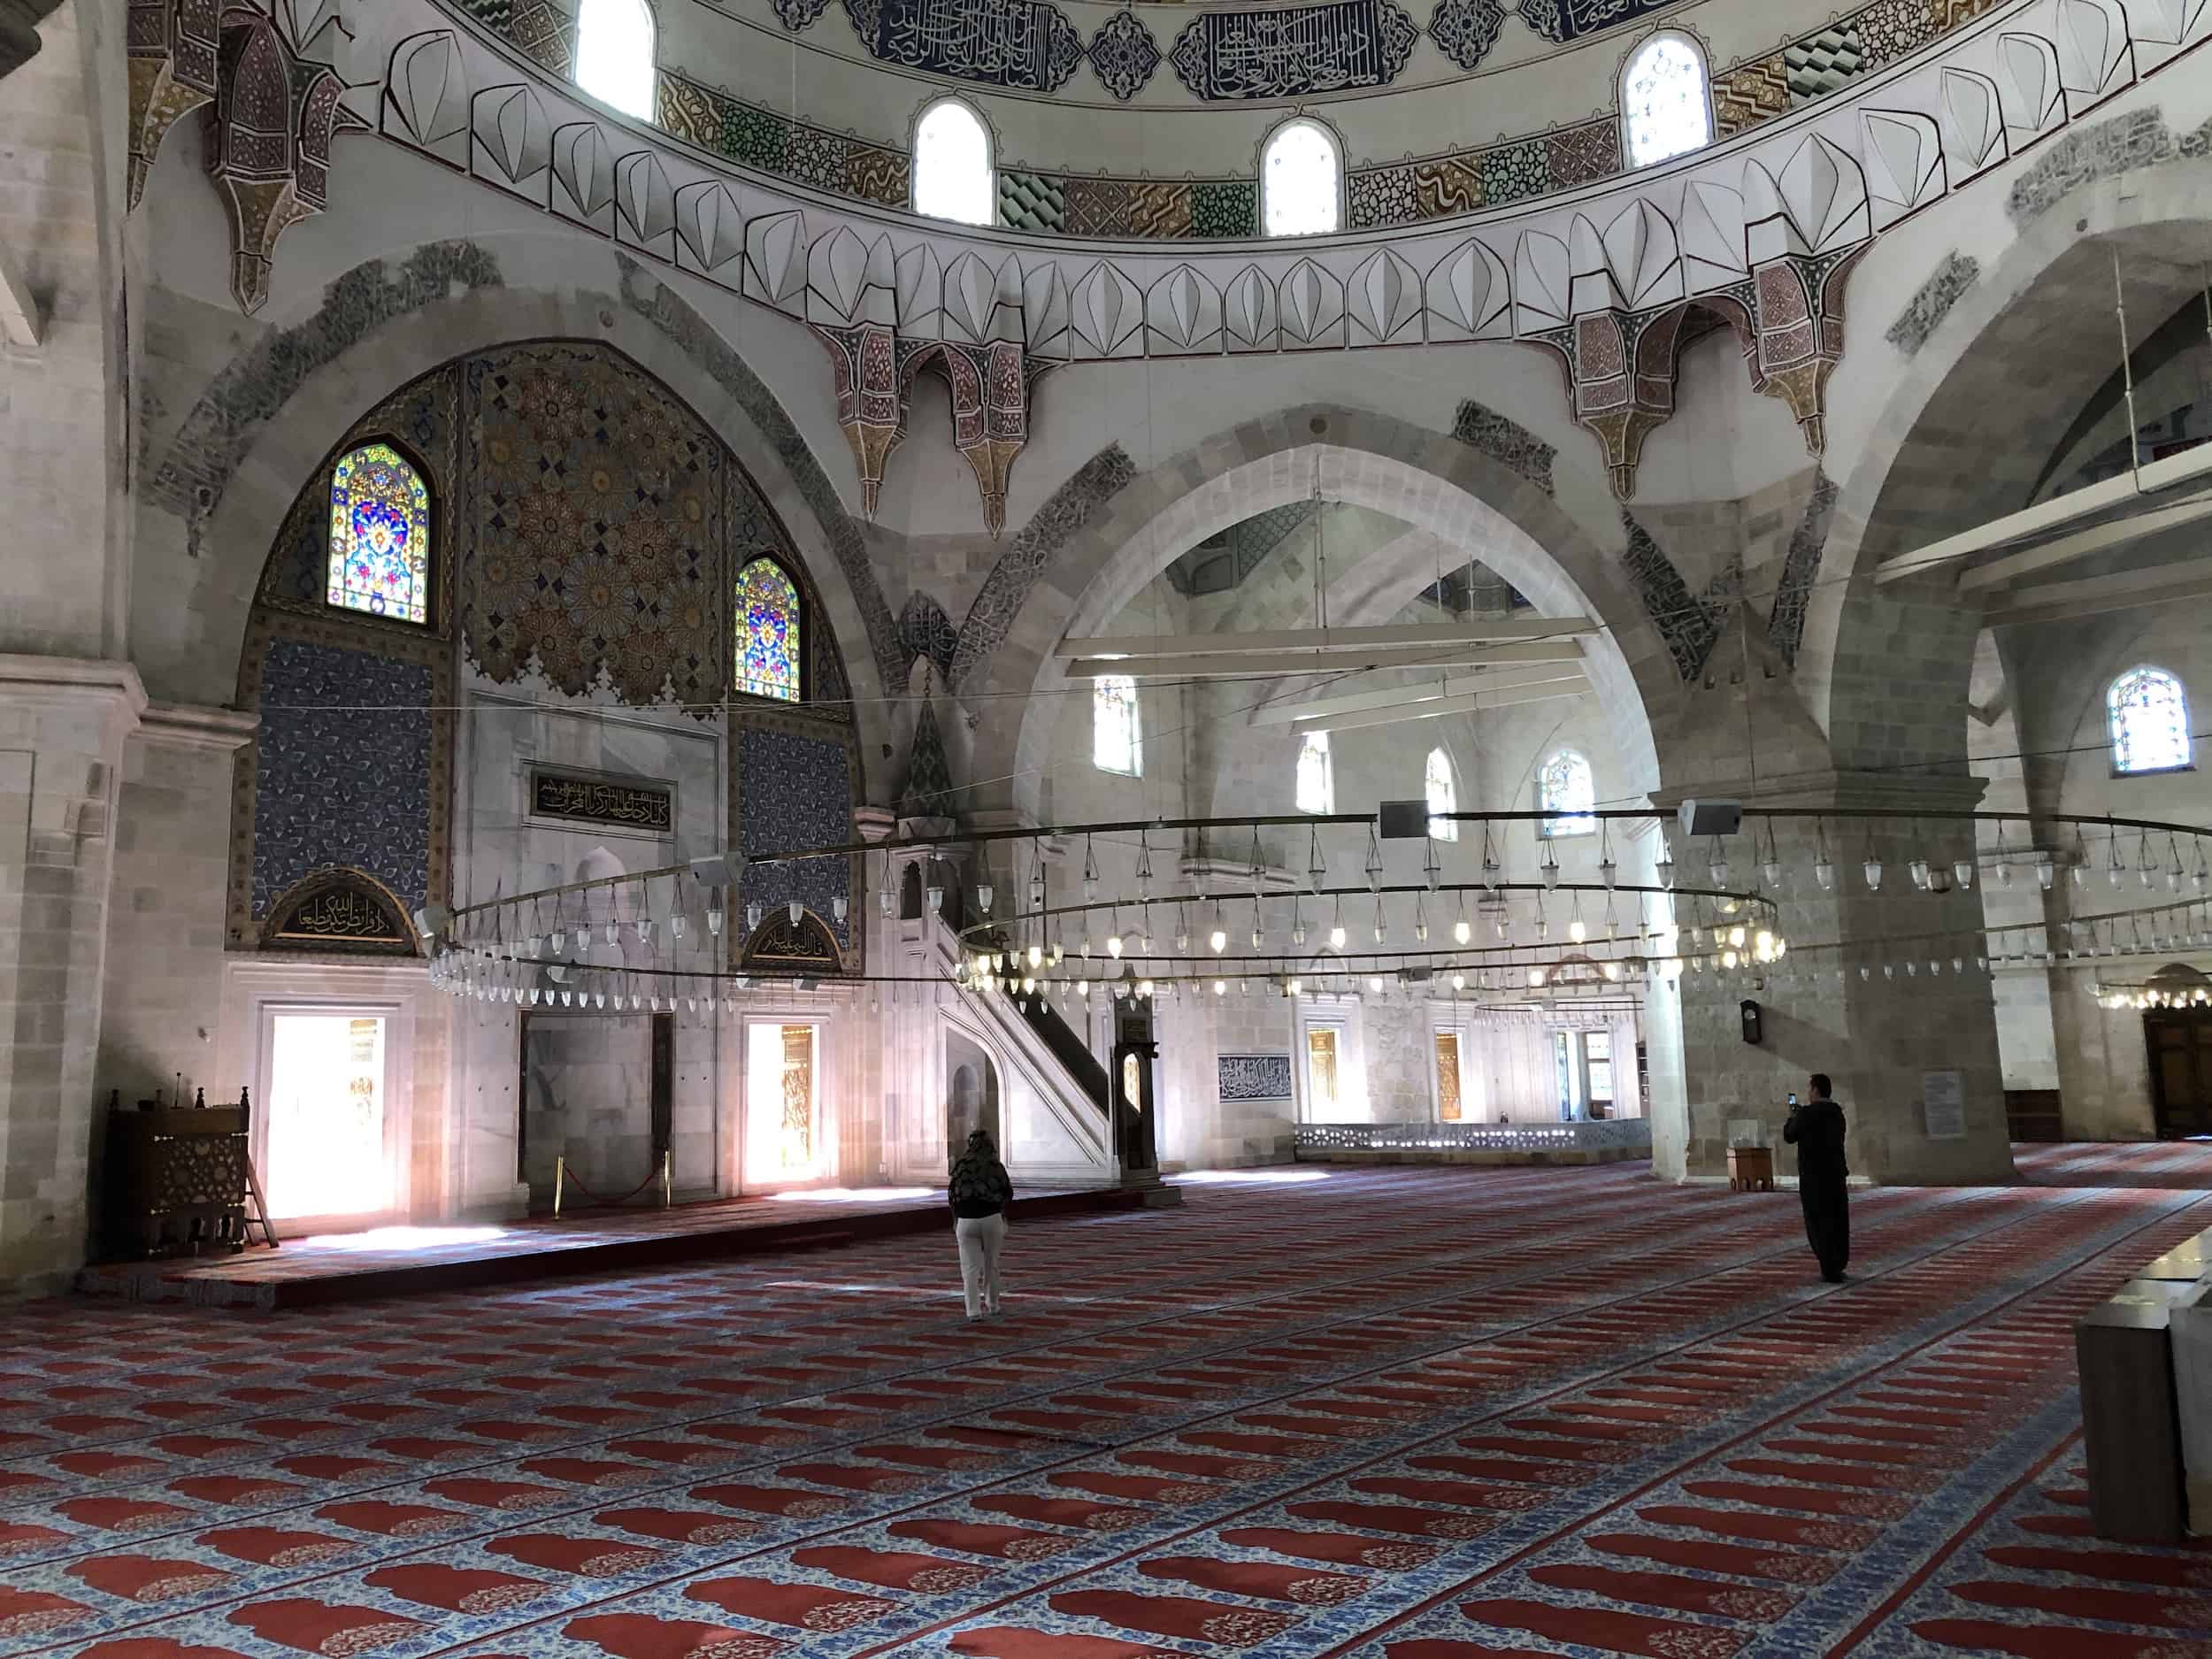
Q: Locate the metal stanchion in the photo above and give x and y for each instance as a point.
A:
(560, 1175)
(666, 1202)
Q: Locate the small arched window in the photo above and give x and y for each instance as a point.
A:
(1443, 795)
(379, 535)
(1301, 180)
(952, 164)
(614, 55)
(2150, 722)
(1665, 110)
(1317, 778)
(769, 630)
(1116, 740)
(1566, 790)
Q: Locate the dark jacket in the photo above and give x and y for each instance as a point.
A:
(1816, 1129)
(979, 1185)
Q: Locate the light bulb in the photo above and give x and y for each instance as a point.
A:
(1258, 938)
(1036, 956)
(714, 921)
(1144, 987)
(1374, 983)
(1718, 871)
(884, 904)
(1962, 872)
(1612, 971)
(1182, 944)
(1918, 871)
(560, 939)
(1336, 939)
(1221, 987)
(645, 930)
(839, 908)
(1577, 931)
(1736, 937)
(1873, 871)
(1727, 958)
(1535, 979)
(1113, 946)
(983, 897)
(1144, 944)
(1459, 982)
(614, 931)
(2045, 873)
(1825, 873)
(1294, 988)
(1218, 940)
(1772, 870)
(935, 896)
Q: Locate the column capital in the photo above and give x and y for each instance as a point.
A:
(1903, 794)
(193, 726)
(875, 824)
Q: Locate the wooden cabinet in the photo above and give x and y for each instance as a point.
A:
(1751, 1169)
(176, 1180)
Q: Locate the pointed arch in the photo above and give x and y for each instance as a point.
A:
(954, 177)
(1567, 790)
(1666, 109)
(2147, 713)
(1441, 787)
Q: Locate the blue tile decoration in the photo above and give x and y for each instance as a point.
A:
(1254, 1077)
(344, 764)
(1466, 29)
(1295, 51)
(794, 790)
(1124, 55)
(797, 14)
(1024, 45)
(1562, 20)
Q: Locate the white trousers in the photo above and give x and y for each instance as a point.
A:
(980, 1237)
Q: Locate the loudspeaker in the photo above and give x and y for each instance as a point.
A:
(1710, 817)
(1404, 820)
(1753, 1028)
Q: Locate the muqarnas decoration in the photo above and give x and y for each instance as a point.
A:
(273, 111)
(1024, 45)
(1295, 51)
(990, 385)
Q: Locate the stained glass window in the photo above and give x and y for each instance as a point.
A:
(379, 535)
(1662, 100)
(1317, 780)
(1443, 796)
(952, 164)
(1566, 790)
(1117, 741)
(1298, 181)
(614, 55)
(767, 615)
(2150, 721)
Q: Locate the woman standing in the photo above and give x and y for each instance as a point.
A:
(979, 1192)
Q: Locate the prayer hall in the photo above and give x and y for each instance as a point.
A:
(1105, 829)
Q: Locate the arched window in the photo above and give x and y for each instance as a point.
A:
(768, 632)
(614, 55)
(1443, 795)
(2150, 722)
(379, 535)
(952, 164)
(1116, 740)
(1664, 109)
(1300, 177)
(1317, 778)
(1565, 789)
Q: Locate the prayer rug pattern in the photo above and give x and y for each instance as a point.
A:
(1402, 1414)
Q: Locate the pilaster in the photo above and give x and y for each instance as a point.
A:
(64, 724)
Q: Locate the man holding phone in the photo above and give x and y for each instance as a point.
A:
(1816, 1129)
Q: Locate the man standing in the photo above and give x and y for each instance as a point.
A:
(1816, 1129)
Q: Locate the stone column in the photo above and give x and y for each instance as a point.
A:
(63, 724)
(162, 997)
(1878, 1016)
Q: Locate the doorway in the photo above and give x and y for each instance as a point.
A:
(2180, 1043)
(1449, 1105)
(783, 1139)
(325, 1134)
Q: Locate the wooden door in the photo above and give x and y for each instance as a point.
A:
(2180, 1041)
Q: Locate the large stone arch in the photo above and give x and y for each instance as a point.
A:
(1884, 671)
(1425, 479)
(221, 486)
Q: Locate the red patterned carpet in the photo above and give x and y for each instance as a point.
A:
(1423, 1414)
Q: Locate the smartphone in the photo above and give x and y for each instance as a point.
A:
(1793, 1100)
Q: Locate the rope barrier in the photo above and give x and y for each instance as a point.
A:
(565, 1178)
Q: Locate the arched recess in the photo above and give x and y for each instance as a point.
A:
(561, 472)
(1932, 464)
(1479, 507)
(223, 483)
